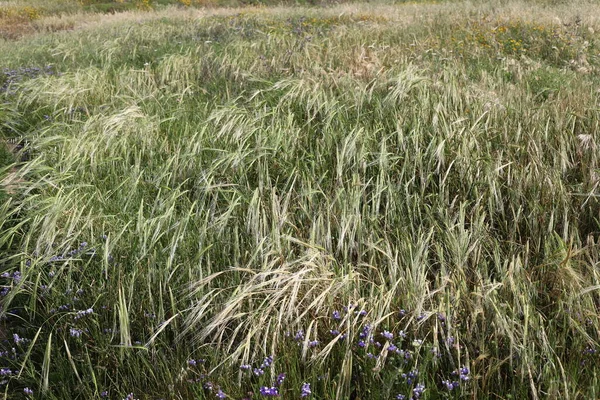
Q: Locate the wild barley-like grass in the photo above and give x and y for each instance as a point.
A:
(385, 211)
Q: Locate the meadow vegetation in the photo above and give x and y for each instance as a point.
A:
(350, 201)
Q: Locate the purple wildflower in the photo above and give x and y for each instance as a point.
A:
(464, 374)
(220, 394)
(269, 391)
(450, 385)
(27, 391)
(411, 376)
(418, 390)
(267, 362)
(280, 379)
(336, 315)
(305, 390)
(74, 332)
(245, 367)
(83, 313)
(258, 371)
(365, 331)
(387, 335)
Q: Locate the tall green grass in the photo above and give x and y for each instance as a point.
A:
(202, 193)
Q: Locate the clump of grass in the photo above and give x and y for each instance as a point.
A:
(300, 203)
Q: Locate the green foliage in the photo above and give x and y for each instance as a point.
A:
(203, 193)
(6, 157)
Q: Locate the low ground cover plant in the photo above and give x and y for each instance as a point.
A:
(368, 201)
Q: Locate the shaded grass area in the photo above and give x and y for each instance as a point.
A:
(390, 200)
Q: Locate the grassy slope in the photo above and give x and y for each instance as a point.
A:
(237, 175)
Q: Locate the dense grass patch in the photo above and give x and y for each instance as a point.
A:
(374, 201)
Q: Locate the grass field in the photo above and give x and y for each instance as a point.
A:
(334, 201)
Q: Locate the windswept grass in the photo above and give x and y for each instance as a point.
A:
(390, 200)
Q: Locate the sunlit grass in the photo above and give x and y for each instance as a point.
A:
(391, 200)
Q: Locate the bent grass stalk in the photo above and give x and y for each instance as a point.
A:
(238, 177)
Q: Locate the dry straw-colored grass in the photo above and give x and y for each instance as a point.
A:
(242, 173)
